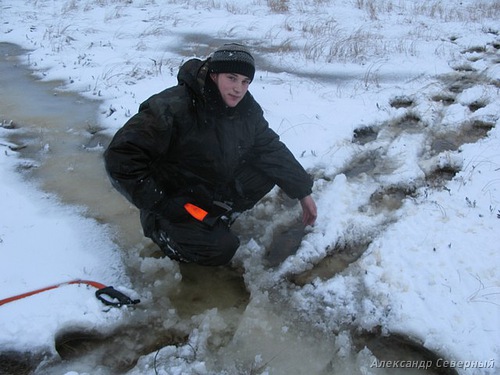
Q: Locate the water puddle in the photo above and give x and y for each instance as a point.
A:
(285, 242)
(410, 122)
(401, 102)
(220, 288)
(342, 256)
(390, 199)
(118, 351)
(364, 135)
(15, 363)
(57, 131)
(369, 162)
(458, 82)
(469, 132)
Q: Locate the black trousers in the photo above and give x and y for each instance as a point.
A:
(196, 242)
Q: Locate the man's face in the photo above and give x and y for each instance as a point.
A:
(232, 87)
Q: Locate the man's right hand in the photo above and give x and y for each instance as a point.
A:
(309, 210)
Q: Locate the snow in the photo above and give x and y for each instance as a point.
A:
(43, 244)
(324, 69)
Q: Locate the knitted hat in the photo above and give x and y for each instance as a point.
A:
(233, 58)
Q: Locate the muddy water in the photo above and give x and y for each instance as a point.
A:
(57, 132)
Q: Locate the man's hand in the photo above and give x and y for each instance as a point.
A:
(309, 210)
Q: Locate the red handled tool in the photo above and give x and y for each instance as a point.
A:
(106, 294)
(220, 211)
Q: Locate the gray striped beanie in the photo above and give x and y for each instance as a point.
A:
(233, 58)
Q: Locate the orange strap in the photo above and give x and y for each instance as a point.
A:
(195, 211)
(24, 295)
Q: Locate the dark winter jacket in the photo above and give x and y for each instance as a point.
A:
(185, 136)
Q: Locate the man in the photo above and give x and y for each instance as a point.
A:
(199, 153)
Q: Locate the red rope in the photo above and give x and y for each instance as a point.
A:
(24, 295)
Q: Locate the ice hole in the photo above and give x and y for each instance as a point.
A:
(118, 351)
(339, 259)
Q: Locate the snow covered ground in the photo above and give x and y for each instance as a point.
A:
(392, 106)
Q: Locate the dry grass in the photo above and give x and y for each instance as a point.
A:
(278, 6)
(436, 9)
(311, 27)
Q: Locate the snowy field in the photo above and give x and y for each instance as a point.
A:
(392, 106)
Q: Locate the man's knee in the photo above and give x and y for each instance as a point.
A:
(219, 254)
(196, 243)
(169, 247)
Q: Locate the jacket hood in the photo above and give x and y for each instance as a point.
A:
(193, 74)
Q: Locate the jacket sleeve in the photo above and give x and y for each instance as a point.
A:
(277, 162)
(132, 154)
